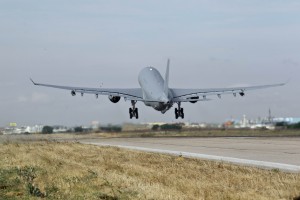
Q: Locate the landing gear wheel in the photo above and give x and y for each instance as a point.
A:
(176, 113)
(182, 113)
(130, 113)
(179, 111)
(136, 113)
(133, 112)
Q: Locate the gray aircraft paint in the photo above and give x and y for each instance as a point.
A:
(152, 85)
(154, 91)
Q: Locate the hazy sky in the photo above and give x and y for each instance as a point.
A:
(85, 43)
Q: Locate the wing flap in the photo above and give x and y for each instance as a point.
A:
(128, 93)
(189, 100)
(187, 93)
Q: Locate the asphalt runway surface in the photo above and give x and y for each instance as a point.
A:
(270, 152)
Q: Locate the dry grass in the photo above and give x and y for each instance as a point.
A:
(76, 171)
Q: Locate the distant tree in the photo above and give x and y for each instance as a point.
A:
(171, 127)
(78, 129)
(297, 125)
(281, 124)
(294, 126)
(155, 127)
(47, 130)
(111, 128)
(116, 129)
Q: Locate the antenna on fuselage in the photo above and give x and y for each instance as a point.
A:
(166, 86)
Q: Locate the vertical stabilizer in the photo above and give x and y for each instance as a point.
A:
(166, 86)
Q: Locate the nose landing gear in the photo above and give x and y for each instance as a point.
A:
(133, 112)
(179, 111)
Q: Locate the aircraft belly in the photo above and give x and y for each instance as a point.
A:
(156, 105)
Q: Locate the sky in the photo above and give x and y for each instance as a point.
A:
(211, 43)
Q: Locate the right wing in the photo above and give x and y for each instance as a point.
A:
(184, 95)
(128, 94)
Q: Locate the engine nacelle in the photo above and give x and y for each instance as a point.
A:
(193, 98)
(114, 99)
(73, 93)
(242, 94)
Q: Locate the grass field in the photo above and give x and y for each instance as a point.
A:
(64, 170)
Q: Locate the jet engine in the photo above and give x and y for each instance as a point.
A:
(193, 98)
(73, 93)
(114, 99)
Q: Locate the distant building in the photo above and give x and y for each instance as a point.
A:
(288, 120)
(248, 123)
(23, 129)
(196, 125)
(59, 129)
(95, 125)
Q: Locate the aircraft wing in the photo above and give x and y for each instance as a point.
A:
(128, 94)
(184, 95)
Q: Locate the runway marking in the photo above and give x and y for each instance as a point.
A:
(255, 163)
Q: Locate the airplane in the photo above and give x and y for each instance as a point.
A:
(154, 91)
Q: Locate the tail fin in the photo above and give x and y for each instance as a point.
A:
(166, 86)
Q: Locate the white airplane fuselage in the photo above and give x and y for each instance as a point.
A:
(152, 85)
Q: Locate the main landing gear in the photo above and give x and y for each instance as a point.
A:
(133, 112)
(179, 111)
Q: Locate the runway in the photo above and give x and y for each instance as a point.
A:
(281, 153)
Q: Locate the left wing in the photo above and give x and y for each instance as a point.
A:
(184, 95)
(128, 94)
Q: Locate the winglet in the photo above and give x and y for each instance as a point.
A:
(33, 81)
(166, 85)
